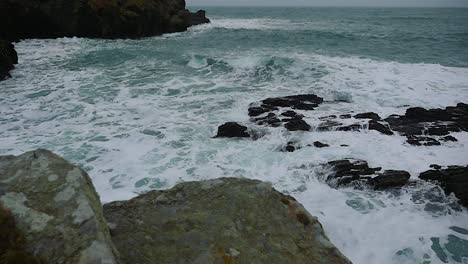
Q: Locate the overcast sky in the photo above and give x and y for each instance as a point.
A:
(430, 3)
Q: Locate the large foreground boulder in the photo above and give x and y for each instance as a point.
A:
(55, 208)
(226, 220)
(8, 58)
(21, 19)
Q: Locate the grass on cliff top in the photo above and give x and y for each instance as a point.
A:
(12, 242)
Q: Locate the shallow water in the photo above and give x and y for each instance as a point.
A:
(140, 114)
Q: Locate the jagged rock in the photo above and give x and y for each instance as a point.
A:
(349, 170)
(20, 19)
(8, 58)
(291, 146)
(56, 208)
(435, 122)
(368, 115)
(453, 179)
(352, 127)
(389, 179)
(319, 144)
(297, 125)
(422, 141)
(374, 125)
(328, 125)
(271, 119)
(198, 18)
(232, 129)
(225, 220)
(302, 101)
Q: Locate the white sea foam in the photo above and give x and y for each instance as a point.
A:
(146, 122)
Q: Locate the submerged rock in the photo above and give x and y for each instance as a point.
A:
(319, 144)
(368, 115)
(8, 58)
(56, 207)
(232, 129)
(297, 125)
(94, 18)
(225, 220)
(389, 179)
(374, 125)
(453, 179)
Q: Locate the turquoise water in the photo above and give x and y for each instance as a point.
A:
(140, 114)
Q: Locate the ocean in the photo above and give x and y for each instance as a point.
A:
(140, 114)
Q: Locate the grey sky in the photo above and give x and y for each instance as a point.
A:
(428, 3)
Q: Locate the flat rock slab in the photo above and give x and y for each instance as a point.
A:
(57, 209)
(225, 220)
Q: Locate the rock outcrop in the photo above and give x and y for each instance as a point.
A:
(20, 19)
(232, 130)
(358, 173)
(225, 220)
(50, 213)
(56, 208)
(453, 179)
(8, 58)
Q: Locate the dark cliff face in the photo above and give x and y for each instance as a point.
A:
(20, 19)
(8, 58)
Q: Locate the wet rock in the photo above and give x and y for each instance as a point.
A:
(302, 101)
(453, 179)
(327, 117)
(292, 114)
(198, 18)
(8, 58)
(328, 125)
(374, 125)
(297, 125)
(345, 116)
(291, 147)
(390, 179)
(56, 208)
(435, 122)
(449, 138)
(368, 115)
(435, 166)
(319, 144)
(422, 141)
(224, 220)
(231, 130)
(271, 119)
(349, 170)
(94, 18)
(352, 127)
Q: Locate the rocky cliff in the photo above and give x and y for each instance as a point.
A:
(58, 219)
(8, 58)
(20, 19)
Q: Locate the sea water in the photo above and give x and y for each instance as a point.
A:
(140, 114)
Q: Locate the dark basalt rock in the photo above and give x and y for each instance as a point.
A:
(8, 58)
(422, 141)
(291, 147)
(345, 116)
(374, 125)
(20, 19)
(435, 122)
(349, 170)
(302, 101)
(297, 125)
(358, 173)
(319, 144)
(198, 18)
(449, 138)
(231, 130)
(271, 119)
(369, 115)
(389, 179)
(453, 179)
(328, 125)
(352, 127)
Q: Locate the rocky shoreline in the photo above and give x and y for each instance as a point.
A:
(421, 127)
(94, 18)
(52, 205)
(8, 59)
